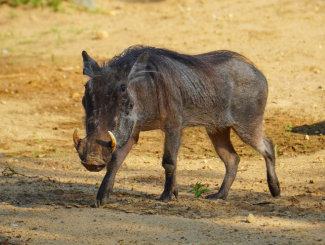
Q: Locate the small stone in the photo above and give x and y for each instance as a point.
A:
(33, 17)
(3, 102)
(206, 167)
(102, 35)
(251, 218)
(75, 95)
(91, 4)
(306, 137)
(312, 181)
(112, 13)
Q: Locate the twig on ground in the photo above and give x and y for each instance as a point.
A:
(10, 171)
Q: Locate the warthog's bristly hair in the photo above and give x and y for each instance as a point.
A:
(190, 77)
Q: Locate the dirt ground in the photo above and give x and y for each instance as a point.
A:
(50, 197)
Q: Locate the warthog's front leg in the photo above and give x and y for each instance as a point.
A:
(172, 142)
(108, 182)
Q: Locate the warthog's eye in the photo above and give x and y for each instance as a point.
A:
(123, 90)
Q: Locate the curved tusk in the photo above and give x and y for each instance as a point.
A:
(76, 138)
(113, 142)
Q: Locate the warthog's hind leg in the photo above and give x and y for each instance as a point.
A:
(225, 150)
(264, 146)
(269, 156)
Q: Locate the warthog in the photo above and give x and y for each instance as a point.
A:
(146, 88)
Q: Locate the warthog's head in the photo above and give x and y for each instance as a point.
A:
(110, 112)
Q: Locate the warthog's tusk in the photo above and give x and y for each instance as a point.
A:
(76, 138)
(113, 142)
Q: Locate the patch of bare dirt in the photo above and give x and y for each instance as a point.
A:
(47, 197)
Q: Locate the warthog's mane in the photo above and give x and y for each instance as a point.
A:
(186, 79)
(132, 53)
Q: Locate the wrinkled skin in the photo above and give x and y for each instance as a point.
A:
(125, 101)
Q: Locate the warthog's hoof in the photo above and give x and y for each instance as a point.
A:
(275, 188)
(167, 195)
(101, 201)
(218, 195)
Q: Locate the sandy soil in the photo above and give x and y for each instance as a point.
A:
(50, 197)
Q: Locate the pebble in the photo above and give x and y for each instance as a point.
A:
(306, 137)
(75, 95)
(112, 13)
(91, 4)
(251, 218)
(3, 102)
(207, 167)
(102, 35)
(33, 18)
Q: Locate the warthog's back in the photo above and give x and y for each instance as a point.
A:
(230, 90)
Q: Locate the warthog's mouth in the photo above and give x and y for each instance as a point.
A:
(94, 166)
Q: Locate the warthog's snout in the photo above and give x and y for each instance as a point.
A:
(94, 163)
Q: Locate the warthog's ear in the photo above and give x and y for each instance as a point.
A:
(90, 66)
(139, 65)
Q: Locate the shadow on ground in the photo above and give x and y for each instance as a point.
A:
(46, 189)
(313, 129)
